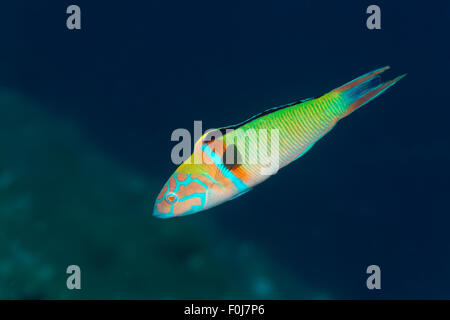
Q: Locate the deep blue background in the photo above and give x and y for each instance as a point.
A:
(374, 191)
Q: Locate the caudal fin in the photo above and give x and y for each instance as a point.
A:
(363, 89)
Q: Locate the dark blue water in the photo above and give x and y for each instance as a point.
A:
(373, 191)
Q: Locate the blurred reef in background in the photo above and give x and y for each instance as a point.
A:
(63, 202)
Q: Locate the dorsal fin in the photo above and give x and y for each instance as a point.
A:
(268, 111)
(212, 134)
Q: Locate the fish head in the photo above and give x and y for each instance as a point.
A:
(197, 184)
(187, 193)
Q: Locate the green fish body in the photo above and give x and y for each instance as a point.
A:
(236, 158)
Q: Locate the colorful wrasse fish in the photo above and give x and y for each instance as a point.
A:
(197, 186)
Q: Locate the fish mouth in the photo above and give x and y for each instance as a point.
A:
(160, 215)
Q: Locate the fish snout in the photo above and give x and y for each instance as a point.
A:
(162, 211)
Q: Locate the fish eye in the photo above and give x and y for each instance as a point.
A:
(171, 197)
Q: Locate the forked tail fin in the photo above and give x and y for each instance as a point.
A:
(363, 89)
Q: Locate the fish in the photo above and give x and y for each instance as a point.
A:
(224, 171)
